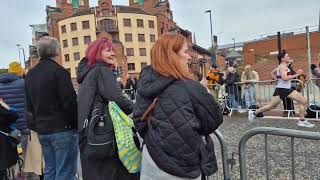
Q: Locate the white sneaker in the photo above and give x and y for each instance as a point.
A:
(251, 116)
(305, 124)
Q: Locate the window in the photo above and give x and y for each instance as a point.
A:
(69, 70)
(128, 37)
(140, 23)
(115, 37)
(65, 43)
(63, 29)
(131, 67)
(85, 25)
(142, 51)
(127, 22)
(66, 58)
(76, 56)
(152, 38)
(87, 39)
(75, 42)
(151, 24)
(130, 52)
(141, 38)
(73, 26)
(143, 65)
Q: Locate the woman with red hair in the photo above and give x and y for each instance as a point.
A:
(173, 113)
(99, 86)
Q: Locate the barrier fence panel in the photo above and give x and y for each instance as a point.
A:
(242, 96)
(224, 155)
(276, 132)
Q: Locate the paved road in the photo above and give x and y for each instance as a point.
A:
(307, 151)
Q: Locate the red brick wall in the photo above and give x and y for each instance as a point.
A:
(296, 46)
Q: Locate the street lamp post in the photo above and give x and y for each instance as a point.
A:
(210, 12)
(24, 58)
(234, 44)
(18, 45)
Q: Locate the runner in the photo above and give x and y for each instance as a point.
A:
(283, 90)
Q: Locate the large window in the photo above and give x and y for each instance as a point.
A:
(127, 22)
(131, 67)
(143, 51)
(85, 25)
(87, 39)
(76, 56)
(66, 58)
(128, 37)
(141, 38)
(130, 51)
(73, 26)
(65, 43)
(63, 29)
(152, 38)
(151, 24)
(75, 41)
(140, 23)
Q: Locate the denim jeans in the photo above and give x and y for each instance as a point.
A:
(234, 103)
(249, 96)
(60, 151)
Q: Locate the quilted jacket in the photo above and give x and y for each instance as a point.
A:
(184, 113)
(12, 91)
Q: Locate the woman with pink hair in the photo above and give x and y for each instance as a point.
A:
(98, 87)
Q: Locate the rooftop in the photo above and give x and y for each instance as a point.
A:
(128, 9)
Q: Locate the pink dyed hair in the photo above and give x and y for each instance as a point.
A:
(93, 52)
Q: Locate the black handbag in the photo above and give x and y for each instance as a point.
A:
(98, 140)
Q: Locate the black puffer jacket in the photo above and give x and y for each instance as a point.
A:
(184, 112)
(98, 79)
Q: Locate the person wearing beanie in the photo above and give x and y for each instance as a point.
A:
(15, 68)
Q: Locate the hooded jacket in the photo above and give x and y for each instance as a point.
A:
(12, 91)
(185, 112)
(98, 79)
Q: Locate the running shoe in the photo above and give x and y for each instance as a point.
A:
(251, 116)
(305, 124)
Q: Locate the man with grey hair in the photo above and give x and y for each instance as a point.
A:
(52, 101)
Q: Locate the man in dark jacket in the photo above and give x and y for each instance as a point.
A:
(52, 101)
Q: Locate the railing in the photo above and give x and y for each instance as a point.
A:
(224, 155)
(272, 131)
(244, 96)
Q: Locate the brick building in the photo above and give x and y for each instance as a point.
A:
(133, 30)
(200, 57)
(262, 54)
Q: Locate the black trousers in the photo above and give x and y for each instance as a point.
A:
(105, 169)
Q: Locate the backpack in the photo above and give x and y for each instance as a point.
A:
(99, 139)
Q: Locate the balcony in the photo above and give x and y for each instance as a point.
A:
(107, 25)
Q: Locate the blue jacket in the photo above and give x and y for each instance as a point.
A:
(12, 91)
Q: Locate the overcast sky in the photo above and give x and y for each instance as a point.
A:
(239, 19)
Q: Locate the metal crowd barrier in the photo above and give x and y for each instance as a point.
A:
(272, 131)
(224, 155)
(233, 96)
(313, 95)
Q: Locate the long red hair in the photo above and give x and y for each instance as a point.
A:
(93, 52)
(165, 59)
